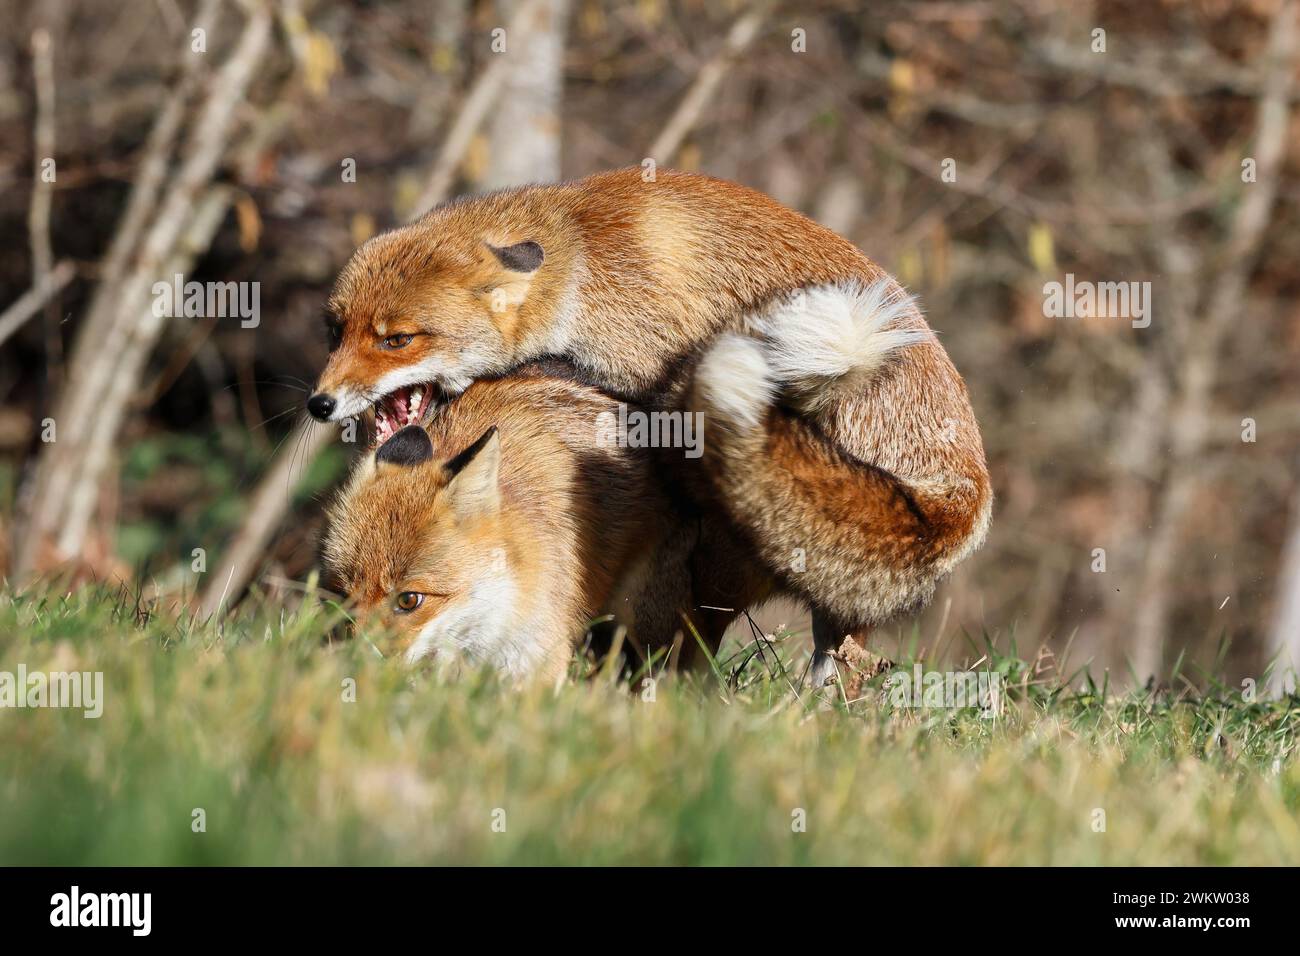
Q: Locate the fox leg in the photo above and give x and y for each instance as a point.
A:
(828, 638)
(678, 578)
(697, 580)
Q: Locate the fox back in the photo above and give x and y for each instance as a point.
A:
(481, 284)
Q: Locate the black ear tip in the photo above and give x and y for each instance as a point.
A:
(526, 256)
(464, 458)
(410, 446)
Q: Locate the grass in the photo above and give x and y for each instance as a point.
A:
(249, 723)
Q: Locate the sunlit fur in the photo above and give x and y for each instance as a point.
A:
(849, 438)
(547, 527)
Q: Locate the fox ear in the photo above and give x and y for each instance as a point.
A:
(474, 488)
(521, 257)
(509, 289)
(410, 446)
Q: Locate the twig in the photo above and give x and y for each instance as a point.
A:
(270, 500)
(1191, 413)
(140, 206)
(1002, 194)
(202, 221)
(688, 111)
(1204, 72)
(30, 302)
(472, 113)
(165, 379)
(972, 108)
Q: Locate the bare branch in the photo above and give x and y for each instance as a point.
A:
(266, 510)
(142, 202)
(688, 111)
(470, 117)
(90, 413)
(1198, 71)
(1190, 416)
(30, 302)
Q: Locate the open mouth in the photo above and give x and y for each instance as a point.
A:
(405, 406)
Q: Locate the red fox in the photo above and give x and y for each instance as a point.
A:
(500, 530)
(839, 436)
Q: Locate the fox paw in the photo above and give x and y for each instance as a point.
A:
(734, 381)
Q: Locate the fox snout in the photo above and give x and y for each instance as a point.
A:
(321, 406)
(343, 389)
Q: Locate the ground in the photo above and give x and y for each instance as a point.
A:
(262, 742)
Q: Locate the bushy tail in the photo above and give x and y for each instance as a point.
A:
(859, 543)
(825, 343)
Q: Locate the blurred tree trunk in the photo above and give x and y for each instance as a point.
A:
(1199, 344)
(448, 63)
(524, 132)
(1284, 639)
(156, 235)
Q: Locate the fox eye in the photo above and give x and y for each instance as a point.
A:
(334, 330)
(398, 341)
(408, 601)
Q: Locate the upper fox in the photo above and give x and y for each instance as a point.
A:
(837, 428)
(622, 276)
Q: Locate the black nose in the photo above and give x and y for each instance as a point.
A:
(321, 406)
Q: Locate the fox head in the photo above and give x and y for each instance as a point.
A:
(419, 547)
(419, 311)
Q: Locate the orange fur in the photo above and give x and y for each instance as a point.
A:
(879, 482)
(572, 528)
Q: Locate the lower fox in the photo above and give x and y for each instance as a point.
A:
(502, 528)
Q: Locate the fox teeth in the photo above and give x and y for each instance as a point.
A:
(413, 406)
